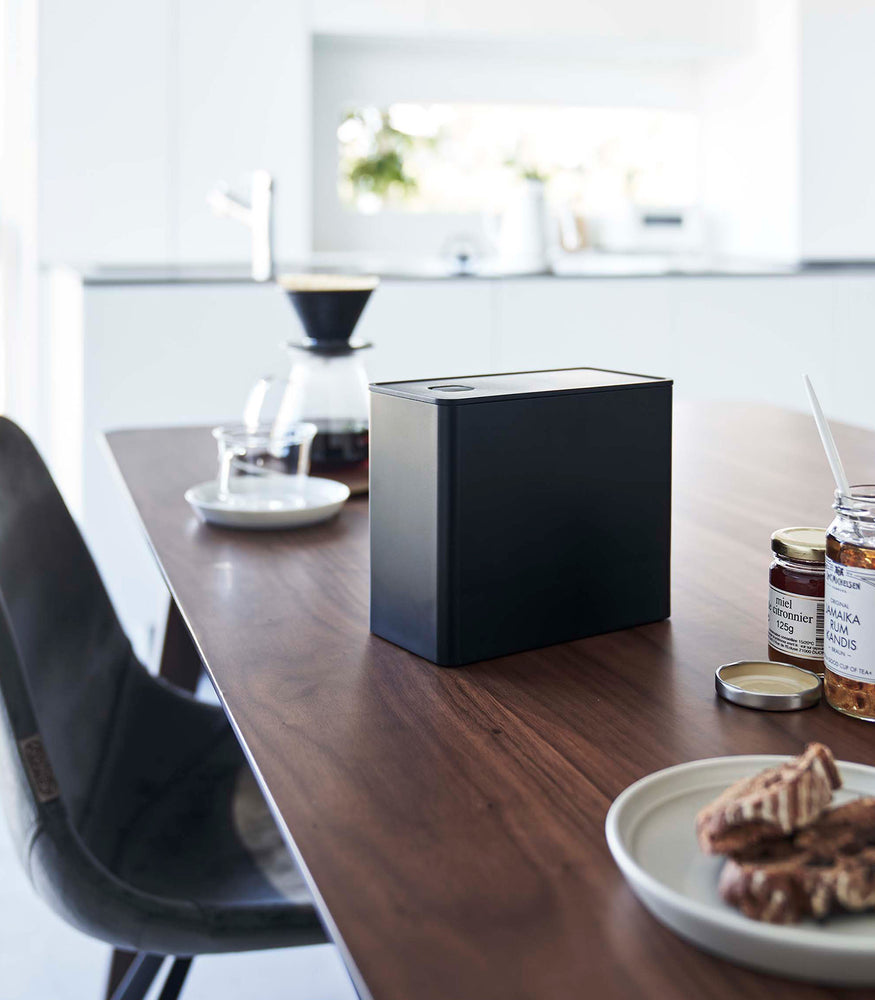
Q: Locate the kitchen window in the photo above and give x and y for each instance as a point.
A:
(462, 158)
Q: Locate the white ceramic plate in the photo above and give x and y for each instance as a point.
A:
(315, 500)
(651, 834)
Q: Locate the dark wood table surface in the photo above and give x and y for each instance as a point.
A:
(451, 822)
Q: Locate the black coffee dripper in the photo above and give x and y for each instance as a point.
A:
(328, 384)
(328, 306)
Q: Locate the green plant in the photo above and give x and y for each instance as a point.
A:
(381, 171)
(527, 170)
(533, 174)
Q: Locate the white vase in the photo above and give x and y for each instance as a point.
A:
(522, 234)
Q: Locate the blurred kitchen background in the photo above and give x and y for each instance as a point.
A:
(675, 187)
(681, 187)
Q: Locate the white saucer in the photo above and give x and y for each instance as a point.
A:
(651, 834)
(267, 504)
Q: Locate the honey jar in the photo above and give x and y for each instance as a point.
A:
(849, 641)
(796, 594)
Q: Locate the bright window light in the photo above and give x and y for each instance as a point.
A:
(468, 157)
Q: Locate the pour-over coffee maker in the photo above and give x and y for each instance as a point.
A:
(327, 385)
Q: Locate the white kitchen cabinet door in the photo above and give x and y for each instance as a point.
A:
(621, 324)
(753, 338)
(430, 329)
(718, 338)
(847, 353)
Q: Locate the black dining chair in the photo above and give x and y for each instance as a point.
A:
(132, 807)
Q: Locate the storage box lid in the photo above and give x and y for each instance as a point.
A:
(514, 385)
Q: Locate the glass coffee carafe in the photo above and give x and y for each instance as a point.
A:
(327, 385)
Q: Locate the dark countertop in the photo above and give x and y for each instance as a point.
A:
(580, 266)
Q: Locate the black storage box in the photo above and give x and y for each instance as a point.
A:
(515, 511)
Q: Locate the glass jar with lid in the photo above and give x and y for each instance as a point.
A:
(849, 641)
(796, 595)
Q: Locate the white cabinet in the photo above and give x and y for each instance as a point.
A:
(741, 338)
(753, 338)
(430, 329)
(623, 324)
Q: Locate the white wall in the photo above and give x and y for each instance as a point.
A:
(104, 135)
(692, 27)
(19, 344)
(142, 107)
(242, 101)
(619, 28)
(750, 110)
(788, 151)
(837, 141)
(137, 110)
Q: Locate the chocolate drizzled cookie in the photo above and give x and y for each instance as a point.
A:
(828, 867)
(769, 805)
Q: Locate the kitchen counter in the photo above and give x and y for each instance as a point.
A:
(569, 266)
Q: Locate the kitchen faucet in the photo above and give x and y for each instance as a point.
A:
(257, 214)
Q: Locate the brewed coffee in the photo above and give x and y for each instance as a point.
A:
(338, 443)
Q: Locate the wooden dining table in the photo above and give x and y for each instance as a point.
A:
(450, 822)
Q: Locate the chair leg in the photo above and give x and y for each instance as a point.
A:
(118, 966)
(137, 980)
(175, 979)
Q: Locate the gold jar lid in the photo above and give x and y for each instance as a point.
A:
(801, 544)
(768, 686)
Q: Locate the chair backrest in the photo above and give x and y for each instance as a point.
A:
(63, 654)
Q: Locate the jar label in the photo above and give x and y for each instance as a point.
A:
(796, 624)
(849, 645)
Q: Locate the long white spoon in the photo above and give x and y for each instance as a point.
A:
(829, 445)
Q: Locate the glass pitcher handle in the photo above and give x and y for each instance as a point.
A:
(255, 402)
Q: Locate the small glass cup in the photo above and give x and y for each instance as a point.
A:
(263, 466)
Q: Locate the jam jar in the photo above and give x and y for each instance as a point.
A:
(796, 594)
(849, 641)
